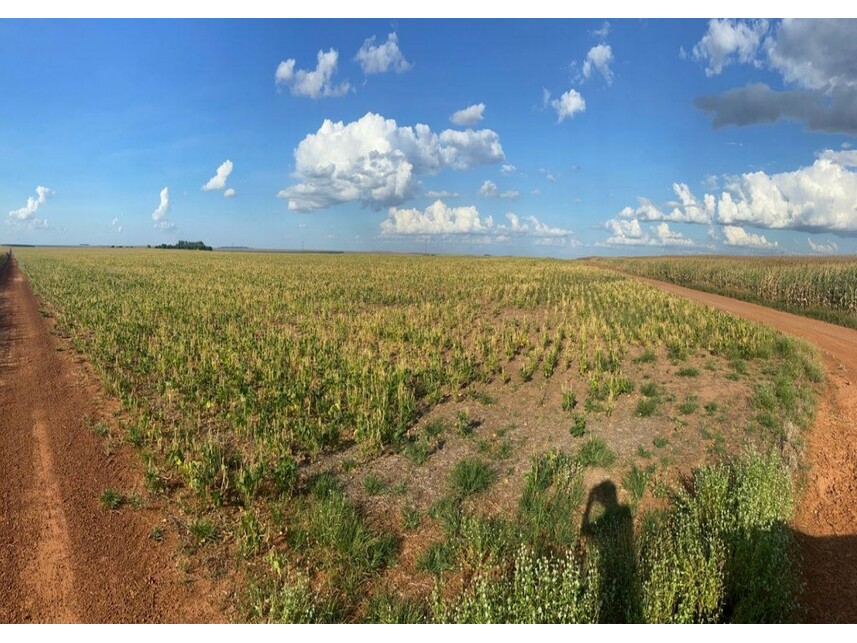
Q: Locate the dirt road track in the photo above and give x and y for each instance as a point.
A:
(63, 557)
(826, 522)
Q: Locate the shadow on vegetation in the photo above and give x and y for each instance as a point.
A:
(609, 527)
(756, 583)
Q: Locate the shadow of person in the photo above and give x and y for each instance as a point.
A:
(609, 526)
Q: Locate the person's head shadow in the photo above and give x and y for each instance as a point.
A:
(609, 526)
(603, 509)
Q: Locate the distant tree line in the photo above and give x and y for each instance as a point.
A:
(185, 245)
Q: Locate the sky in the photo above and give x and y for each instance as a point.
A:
(559, 138)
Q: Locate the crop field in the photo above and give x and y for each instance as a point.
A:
(367, 438)
(822, 288)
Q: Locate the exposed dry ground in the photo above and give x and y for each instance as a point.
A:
(64, 557)
(826, 520)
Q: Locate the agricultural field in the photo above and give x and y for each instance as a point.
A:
(822, 288)
(367, 438)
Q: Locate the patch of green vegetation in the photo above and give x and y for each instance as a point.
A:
(711, 408)
(650, 389)
(689, 406)
(636, 481)
(596, 453)
(437, 559)
(689, 372)
(647, 407)
(738, 366)
(101, 430)
(676, 351)
(539, 589)
(464, 425)
(111, 499)
(203, 532)
(504, 452)
(435, 428)
(286, 597)
(411, 518)
(648, 357)
(417, 452)
(332, 535)
(718, 447)
(578, 426)
(448, 512)
(373, 485)
(569, 400)
(553, 491)
(482, 397)
(471, 476)
(722, 553)
(250, 535)
(660, 442)
(388, 609)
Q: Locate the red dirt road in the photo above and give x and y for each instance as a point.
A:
(826, 522)
(63, 557)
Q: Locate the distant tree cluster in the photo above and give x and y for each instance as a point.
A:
(185, 245)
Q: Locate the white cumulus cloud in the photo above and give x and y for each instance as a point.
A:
(728, 40)
(567, 105)
(229, 193)
(441, 194)
(823, 248)
(508, 169)
(440, 219)
(818, 198)
(379, 59)
(317, 83)
(488, 189)
(631, 233)
(846, 158)
(218, 181)
(469, 116)
(376, 162)
(531, 226)
(603, 31)
(599, 59)
(739, 237)
(159, 216)
(687, 210)
(28, 212)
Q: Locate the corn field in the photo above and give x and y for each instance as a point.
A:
(816, 287)
(300, 354)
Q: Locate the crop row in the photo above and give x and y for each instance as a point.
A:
(821, 288)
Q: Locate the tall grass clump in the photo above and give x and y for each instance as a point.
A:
(535, 589)
(722, 553)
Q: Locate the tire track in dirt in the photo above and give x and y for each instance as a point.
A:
(63, 557)
(50, 574)
(825, 524)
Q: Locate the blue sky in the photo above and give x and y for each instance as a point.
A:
(99, 117)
